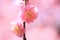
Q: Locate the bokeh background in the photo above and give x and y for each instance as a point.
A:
(34, 31)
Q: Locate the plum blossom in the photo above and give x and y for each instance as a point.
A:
(30, 13)
(17, 24)
(17, 28)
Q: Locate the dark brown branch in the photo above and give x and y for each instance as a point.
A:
(24, 38)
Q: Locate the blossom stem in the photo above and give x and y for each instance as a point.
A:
(24, 38)
(24, 23)
(26, 2)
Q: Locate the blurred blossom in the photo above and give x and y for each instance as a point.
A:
(30, 13)
(17, 28)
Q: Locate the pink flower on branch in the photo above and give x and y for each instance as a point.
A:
(17, 29)
(30, 13)
(27, 14)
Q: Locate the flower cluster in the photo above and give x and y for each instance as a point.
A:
(29, 14)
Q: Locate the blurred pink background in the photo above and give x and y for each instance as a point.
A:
(34, 31)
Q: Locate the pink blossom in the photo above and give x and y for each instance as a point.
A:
(18, 29)
(30, 13)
